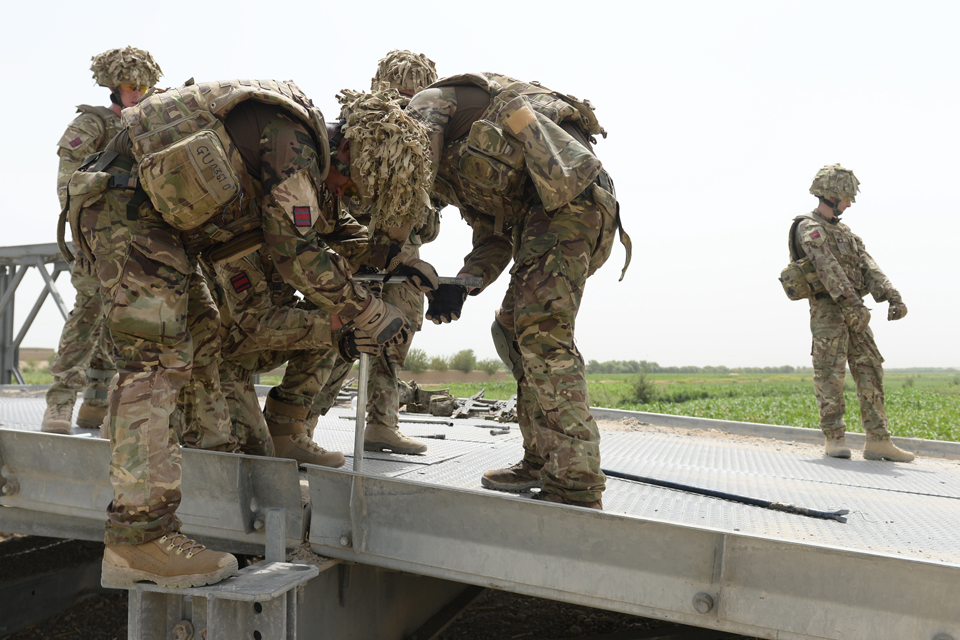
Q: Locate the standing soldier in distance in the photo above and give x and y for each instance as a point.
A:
(407, 73)
(84, 360)
(839, 320)
(516, 159)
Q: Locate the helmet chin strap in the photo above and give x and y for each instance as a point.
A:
(836, 212)
(115, 96)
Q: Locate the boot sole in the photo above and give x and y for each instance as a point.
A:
(512, 487)
(89, 424)
(868, 455)
(378, 446)
(55, 428)
(112, 574)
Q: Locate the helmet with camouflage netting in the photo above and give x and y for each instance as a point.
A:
(125, 66)
(389, 162)
(835, 183)
(405, 71)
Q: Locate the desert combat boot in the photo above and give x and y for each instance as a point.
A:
(91, 416)
(57, 418)
(290, 438)
(520, 477)
(543, 496)
(885, 450)
(837, 447)
(173, 561)
(377, 437)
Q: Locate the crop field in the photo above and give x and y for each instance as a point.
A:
(919, 405)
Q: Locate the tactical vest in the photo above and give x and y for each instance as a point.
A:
(194, 174)
(485, 170)
(110, 122)
(843, 245)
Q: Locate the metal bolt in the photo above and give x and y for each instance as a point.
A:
(258, 524)
(183, 630)
(345, 540)
(10, 488)
(703, 602)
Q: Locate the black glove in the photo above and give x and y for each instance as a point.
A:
(446, 303)
(350, 345)
(422, 275)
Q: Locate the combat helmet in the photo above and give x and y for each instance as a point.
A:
(125, 66)
(389, 164)
(833, 183)
(405, 71)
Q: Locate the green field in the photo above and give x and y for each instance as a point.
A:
(919, 405)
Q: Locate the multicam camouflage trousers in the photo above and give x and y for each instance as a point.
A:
(84, 360)
(834, 345)
(556, 255)
(383, 395)
(165, 329)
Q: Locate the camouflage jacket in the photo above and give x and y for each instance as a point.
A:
(845, 268)
(88, 133)
(493, 172)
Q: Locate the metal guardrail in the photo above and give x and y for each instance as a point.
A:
(14, 263)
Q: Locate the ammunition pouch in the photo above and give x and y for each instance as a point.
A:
(800, 280)
(192, 180)
(491, 161)
(507, 348)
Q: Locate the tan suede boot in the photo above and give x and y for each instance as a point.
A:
(58, 418)
(837, 448)
(173, 561)
(885, 450)
(289, 434)
(377, 437)
(90, 416)
(522, 476)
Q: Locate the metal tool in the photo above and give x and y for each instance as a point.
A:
(386, 278)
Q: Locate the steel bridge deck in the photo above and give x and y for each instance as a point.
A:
(891, 571)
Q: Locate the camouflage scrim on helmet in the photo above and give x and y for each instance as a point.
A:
(833, 182)
(125, 66)
(389, 161)
(404, 71)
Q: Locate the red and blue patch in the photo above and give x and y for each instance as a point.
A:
(301, 217)
(814, 234)
(240, 282)
(76, 142)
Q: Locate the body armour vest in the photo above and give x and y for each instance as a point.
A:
(845, 247)
(486, 170)
(191, 170)
(111, 122)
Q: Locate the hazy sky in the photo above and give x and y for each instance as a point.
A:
(719, 115)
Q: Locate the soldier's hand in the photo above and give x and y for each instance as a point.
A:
(897, 310)
(382, 323)
(857, 317)
(446, 303)
(350, 345)
(422, 275)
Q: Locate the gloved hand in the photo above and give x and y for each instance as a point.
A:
(382, 324)
(350, 345)
(857, 317)
(897, 309)
(446, 303)
(422, 275)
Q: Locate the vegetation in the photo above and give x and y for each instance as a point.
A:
(463, 360)
(416, 361)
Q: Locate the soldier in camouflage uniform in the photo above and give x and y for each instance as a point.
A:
(407, 73)
(84, 360)
(516, 160)
(218, 169)
(839, 320)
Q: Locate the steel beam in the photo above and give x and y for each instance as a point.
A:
(697, 576)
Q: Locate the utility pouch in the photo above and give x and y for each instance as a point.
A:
(85, 189)
(800, 280)
(560, 167)
(491, 160)
(191, 180)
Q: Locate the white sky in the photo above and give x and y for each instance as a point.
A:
(719, 115)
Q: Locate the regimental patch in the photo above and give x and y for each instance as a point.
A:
(240, 282)
(301, 217)
(814, 234)
(76, 142)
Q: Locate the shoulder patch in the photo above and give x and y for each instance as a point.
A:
(814, 234)
(240, 282)
(297, 197)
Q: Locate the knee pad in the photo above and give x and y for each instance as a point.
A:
(507, 348)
